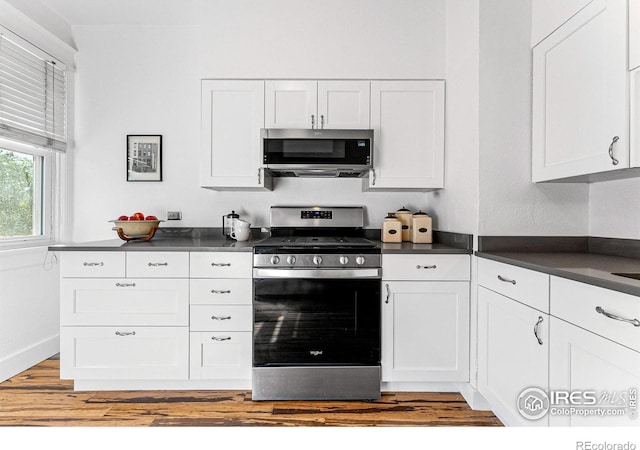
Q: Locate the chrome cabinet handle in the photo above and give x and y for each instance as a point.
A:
(220, 264)
(322, 122)
(506, 280)
(313, 121)
(373, 177)
(91, 264)
(259, 175)
(388, 293)
(426, 267)
(634, 322)
(126, 284)
(216, 338)
(614, 161)
(125, 333)
(535, 329)
(220, 317)
(213, 291)
(158, 264)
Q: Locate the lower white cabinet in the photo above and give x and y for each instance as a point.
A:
(124, 353)
(221, 355)
(582, 361)
(425, 331)
(513, 351)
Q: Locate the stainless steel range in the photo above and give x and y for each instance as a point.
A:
(316, 324)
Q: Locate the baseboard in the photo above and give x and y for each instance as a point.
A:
(28, 357)
(474, 398)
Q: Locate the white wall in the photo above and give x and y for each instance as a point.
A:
(145, 80)
(614, 209)
(509, 203)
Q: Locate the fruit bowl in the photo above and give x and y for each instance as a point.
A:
(142, 230)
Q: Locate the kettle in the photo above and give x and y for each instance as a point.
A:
(228, 222)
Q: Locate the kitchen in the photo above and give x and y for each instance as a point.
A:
(138, 70)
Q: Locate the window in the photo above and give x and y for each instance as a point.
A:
(33, 128)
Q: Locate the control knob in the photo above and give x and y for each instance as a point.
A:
(275, 259)
(359, 260)
(317, 260)
(344, 260)
(291, 260)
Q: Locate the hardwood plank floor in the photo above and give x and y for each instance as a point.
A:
(37, 397)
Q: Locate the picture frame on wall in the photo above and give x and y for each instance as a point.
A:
(144, 157)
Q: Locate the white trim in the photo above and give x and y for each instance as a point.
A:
(28, 357)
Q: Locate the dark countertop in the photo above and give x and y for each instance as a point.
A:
(411, 248)
(575, 261)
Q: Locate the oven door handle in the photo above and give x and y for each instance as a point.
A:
(317, 273)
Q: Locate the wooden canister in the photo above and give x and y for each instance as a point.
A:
(421, 232)
(391, 229)
(405, 218)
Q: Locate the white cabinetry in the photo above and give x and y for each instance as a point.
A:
(593, 349)
(232, 116)
(121, 325)
(408, 122)
(317, 104)
(580, 107)
(513, 344)
(634, 34)
(425, 324)
(221, 317)
(548, 15)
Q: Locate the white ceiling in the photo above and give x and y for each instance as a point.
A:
(127, 12)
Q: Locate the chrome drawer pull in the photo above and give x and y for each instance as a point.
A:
(213, 291)
(535, 329)
(506, 280)
(125, 333)
(220, 317)
(126, 284)
(426, 267)
(220, 264)
(634, 322)
(216, 338)
(388, 293)
(614, 161)
(91, 264)
(158, 264)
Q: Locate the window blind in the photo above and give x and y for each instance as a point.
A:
(33, 96)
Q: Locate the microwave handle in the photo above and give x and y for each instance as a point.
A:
(313, 121)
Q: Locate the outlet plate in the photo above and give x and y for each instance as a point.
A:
(174, 215)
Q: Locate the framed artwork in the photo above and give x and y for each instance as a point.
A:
(144, 157)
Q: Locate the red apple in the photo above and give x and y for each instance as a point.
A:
(151, 218)
(139, 215)
(123, 218)
(134, 217)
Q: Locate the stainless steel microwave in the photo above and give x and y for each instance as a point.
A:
(317, 153)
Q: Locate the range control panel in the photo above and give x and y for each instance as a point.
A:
(315, 214)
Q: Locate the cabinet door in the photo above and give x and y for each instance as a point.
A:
(547, 15)
(425, 331)
(580, 95)
(221, 356)
(343, 104)
(232, 116)
(408, 122)
(291, 104)
(510, 357)
(583, 361)
(634, 34)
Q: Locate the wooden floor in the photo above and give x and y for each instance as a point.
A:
(37, 397)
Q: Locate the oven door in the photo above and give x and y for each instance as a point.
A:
(316, 321)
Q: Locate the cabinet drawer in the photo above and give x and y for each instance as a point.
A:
(221, 291)
(220, 264)
(131, 301)
(111, 353)
(158, 264)
(221, 318)
(524, 285)
(220, 356)
(577, 302)
(426, 267)
(92, 264)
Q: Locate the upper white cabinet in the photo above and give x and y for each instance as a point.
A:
(547, 15)
(634, 34)
(232, 116)
(317, 104)
(580, 112)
